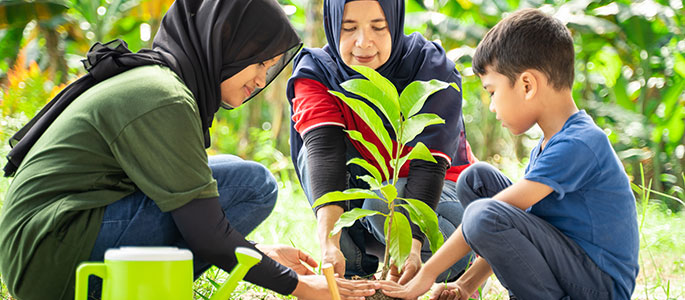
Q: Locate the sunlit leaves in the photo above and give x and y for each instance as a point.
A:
(349, 194)
(348, 218)
(416, 93)
(399, 242)
(422, 215)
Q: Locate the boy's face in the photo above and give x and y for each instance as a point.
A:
(364, 37)
(240, 86)
(509, 102)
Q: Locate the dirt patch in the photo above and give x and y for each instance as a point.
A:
(378, 295)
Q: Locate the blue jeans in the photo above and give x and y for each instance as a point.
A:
(362, 244)
(247, 194)
(531, 258)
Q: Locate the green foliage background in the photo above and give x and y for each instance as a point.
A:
(630, 70)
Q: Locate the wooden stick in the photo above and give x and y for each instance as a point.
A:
(330, 278)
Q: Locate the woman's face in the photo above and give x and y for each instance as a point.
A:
(364, 37)
(240, 86)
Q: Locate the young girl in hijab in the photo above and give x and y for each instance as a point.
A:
(370, 33)
(118, 158)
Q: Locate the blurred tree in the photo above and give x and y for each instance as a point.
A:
(629, 75)
(630, 69)
(15, 15)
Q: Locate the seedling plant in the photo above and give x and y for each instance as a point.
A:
(406, 122)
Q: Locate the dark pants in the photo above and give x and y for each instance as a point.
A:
(529, 256)
(247, 194)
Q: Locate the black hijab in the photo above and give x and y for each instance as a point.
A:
(412, 58)
(204, 42)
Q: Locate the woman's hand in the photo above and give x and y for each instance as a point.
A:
(411, 266)
(330, 245)
(331, 254)
(289, 257)
(315, 287)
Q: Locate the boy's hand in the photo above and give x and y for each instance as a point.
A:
(290, 257)
(447, 291)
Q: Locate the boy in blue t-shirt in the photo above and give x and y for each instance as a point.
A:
(568, 230)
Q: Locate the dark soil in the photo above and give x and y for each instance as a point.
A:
(378, 295)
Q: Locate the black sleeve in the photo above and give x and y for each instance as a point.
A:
(424, 182)
(204, 226)
(326, 161)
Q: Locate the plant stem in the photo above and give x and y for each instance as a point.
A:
(391, 203)
(386, 261)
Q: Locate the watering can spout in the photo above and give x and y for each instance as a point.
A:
(247, 258)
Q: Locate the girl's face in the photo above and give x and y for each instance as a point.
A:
(364, 37)
(240, 86)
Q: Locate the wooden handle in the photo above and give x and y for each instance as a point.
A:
(330, 278)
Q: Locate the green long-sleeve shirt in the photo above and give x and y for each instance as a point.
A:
(139, 129)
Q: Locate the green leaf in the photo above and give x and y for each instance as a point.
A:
(357, 136)
(368, 167)
(416, 124)
(400, 238)
(679, 65)
(349, 194)
(420, 151)
(608, 64)
(424, 216)
(670, 98)
(201, 295)
(372, 182)
(381, 82)
(389, 192)
(370, 117)
(416, 93)
(365, 88)
(214, 283)
(348, 218)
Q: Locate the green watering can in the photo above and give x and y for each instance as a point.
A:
(152, 273)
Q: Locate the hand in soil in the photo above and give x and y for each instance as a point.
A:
(290, 257)
(446, 291)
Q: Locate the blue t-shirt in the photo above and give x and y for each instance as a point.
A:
(592, 202)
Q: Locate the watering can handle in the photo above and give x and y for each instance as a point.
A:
(247, 258)
(83, 271)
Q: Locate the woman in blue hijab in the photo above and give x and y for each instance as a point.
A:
(370, 33)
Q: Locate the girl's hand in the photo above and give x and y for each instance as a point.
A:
(315, 287)
(290, 257)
